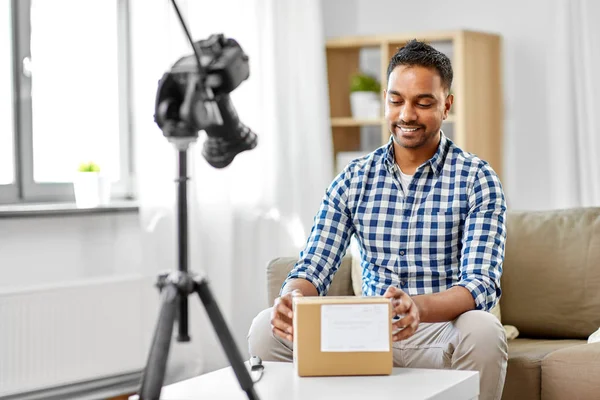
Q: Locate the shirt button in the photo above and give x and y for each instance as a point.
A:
(402, 252)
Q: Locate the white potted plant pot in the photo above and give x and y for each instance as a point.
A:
(92, 188)
(365, 105)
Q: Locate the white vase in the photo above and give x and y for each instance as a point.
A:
(365, 105)
(91, 189)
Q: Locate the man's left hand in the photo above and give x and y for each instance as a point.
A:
(405, 307)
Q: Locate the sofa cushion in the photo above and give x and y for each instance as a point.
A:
(523, 374)
(279, 268)
(551, 277)
(572, 373)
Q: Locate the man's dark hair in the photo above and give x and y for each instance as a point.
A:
(416, 53)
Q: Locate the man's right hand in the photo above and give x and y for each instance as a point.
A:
(282, 315)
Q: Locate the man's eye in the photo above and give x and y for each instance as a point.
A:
(424, 105)
(394, 101)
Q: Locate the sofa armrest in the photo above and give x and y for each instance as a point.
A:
(279, 268)
(572, 373)
(277, 271)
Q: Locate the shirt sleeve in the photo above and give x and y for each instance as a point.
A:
(329, 237)
(484, 239)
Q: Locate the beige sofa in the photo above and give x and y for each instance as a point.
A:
(551, 293)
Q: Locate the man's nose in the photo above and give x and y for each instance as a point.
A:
(408, 113)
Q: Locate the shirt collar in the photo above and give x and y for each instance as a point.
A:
(436, 162)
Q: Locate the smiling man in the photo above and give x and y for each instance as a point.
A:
(429, 219)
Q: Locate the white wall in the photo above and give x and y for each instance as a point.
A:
(108, 307)
(47, 250)
(526, 28)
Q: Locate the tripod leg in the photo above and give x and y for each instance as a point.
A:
(227, 342)
(154, 373)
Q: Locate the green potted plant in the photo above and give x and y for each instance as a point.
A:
(92, 188)
(89, 167)
(365, 92)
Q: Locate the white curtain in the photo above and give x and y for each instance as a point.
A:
(574, 103)
(262, 205)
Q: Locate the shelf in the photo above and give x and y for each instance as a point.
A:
(349, 121)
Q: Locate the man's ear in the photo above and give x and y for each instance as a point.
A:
(448, 104)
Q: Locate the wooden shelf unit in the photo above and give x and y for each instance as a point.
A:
(476, 120)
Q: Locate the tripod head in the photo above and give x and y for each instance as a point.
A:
(194, 96)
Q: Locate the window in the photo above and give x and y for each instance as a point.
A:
(67, 80)
(7, 130)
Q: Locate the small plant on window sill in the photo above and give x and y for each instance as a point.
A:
(89, 167)
(91, 186)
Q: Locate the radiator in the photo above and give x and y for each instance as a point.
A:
(62, 335)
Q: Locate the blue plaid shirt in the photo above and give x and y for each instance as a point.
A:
(448, 230)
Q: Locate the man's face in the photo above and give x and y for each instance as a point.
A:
(416, 103)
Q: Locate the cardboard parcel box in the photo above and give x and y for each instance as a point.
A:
(339, 335)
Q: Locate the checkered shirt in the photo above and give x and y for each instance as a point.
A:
(448, 230)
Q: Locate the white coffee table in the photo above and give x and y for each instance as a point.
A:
(281, 382)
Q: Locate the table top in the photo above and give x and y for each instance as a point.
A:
(280, 381)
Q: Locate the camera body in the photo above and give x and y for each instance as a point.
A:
(192, 98)
(223, 61)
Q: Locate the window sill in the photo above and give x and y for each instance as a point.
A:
(65, 209)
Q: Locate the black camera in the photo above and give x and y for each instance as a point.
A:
(194, 96)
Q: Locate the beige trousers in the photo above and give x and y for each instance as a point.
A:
(474, 341)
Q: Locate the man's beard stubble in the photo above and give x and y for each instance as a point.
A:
(423, 139)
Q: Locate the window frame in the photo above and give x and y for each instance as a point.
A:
(10, 192)
(25, 189)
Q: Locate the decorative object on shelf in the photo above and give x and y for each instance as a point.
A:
(365, 96)
(92, 188)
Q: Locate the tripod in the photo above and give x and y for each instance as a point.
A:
(175, 289)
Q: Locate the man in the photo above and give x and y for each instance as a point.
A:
(429, 219)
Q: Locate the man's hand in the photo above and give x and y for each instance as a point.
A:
(403, 305)
(282, 314)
